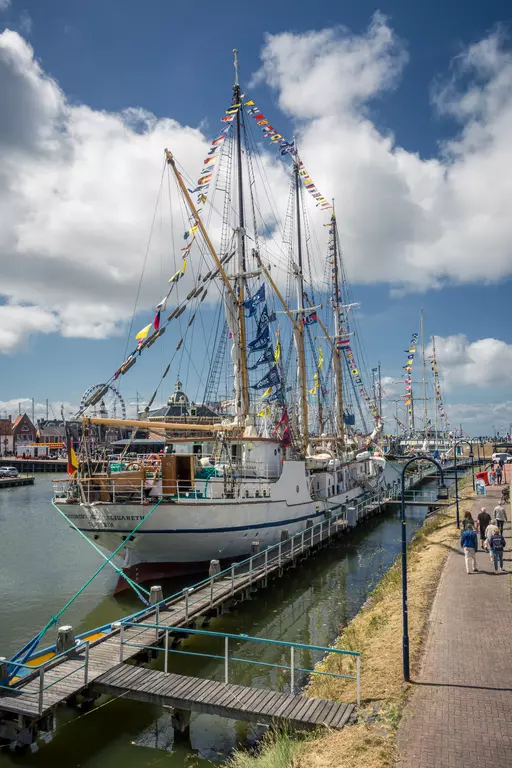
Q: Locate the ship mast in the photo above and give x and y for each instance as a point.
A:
(242, 401)
(435, 390)
(425, 409)
(336, 358)
(299, 329)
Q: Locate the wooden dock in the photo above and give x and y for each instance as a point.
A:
(39, 692)
(101, 661)
(239, 702)
(15, 482)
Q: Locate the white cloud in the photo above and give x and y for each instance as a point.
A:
(17, 323)
(25, 23)
(405, 220)
(4, 4)
(481, 363)
(78, 187)
(24, 405)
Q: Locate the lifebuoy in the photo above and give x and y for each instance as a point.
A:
(133, 466)
(153, 460)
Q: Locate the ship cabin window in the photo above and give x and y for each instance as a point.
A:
(198, 448)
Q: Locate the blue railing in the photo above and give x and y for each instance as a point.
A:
(163, 631)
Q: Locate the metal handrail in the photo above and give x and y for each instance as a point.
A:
(41, 688)
(227, 636)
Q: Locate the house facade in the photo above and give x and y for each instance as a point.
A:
(24, 433)
(6, 437)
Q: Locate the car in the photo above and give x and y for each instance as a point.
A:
(8, 472)
(507, 457)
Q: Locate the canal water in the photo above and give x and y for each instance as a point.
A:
(44, 562)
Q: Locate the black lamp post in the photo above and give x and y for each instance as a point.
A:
(442, 494)
(457, 477)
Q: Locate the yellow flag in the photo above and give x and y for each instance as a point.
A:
(320, 358)
(144, 332)
(277, 353)
(312, 391)
(249, 103)
(265, 411)
(266, 393)
(184, 267)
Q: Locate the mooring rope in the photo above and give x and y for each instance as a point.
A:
(29, 647)
(136, 587)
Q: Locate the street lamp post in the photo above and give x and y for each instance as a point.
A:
(457, 476)
(442, 494)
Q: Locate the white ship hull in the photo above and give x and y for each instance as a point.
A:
(189, 533)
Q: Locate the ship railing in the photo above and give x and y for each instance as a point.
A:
(293, 658)
(36, 672)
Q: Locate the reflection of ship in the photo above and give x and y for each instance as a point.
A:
(285, 454)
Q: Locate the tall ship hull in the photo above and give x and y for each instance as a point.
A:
(188, 530)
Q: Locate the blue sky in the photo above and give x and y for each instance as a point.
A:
(174, 60)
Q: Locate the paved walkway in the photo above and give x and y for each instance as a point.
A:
(460, 713)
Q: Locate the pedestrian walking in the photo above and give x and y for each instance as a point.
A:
(497, 543)
(469, 543)
(468, 521)
(501, 516)
(492, 477)
(483, 521)
(491, 529)
(499, 474)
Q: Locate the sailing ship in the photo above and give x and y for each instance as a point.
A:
(280, 451)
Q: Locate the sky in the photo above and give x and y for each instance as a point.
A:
(403, 113)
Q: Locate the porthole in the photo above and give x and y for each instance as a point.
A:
(297, 489)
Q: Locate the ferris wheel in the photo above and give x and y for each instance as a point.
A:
(103, 400)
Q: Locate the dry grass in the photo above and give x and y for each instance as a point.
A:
(376, 632)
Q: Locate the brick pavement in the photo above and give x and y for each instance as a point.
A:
(459, 714)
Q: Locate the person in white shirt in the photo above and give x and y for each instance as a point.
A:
(501, 516)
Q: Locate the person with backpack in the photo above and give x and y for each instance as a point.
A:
(468, 521)
(483, 521)
(501, 516)
(497, 544)
(499, 474)
(469, 543)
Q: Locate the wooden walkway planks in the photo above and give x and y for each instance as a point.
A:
(234, 701)
(65, 677)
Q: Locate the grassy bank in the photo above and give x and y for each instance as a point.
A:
(376, 631)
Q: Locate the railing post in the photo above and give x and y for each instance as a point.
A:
(211, 591)
(121, 641)
(186, 605)
(232, 578)
(166, 651)
(302, 543)
(251, 565)
(329, 528)
(157, 619)
(292, 670)
(279, 554)
(266, 561)
(358, 662)
(86, 668)
(113, 492)
(41, 690)
(226, 659)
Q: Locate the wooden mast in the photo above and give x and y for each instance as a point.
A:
(299, 328)
(241, 251)
(338, 375)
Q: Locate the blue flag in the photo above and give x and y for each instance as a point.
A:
(260, 342)
(266, 357)
(269, 380)
(252, 303)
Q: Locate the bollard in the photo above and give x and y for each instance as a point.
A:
(65, 638)
(351, 517)
(214, 568)
(4, 671)
(255, 547)
(156, 595)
